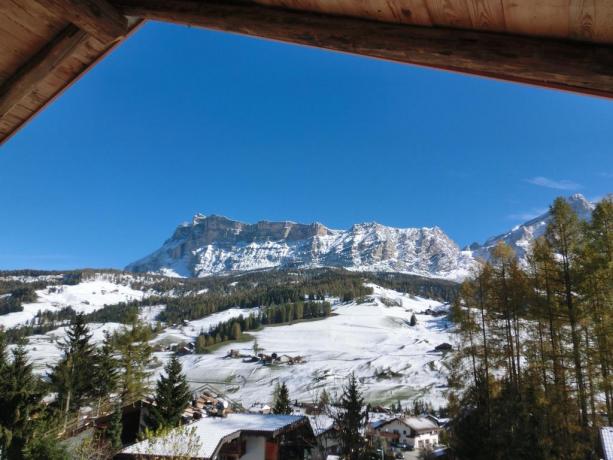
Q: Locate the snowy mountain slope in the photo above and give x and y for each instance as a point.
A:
(217, 245)
(392, 360)
(521, 236)
(89, 295)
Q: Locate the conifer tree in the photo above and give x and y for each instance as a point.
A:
(172, 396)
(324, 400)
(540, 381)
(20, 402)
(350, 419)
(413, 320)
(282, 405)
(72, 376)
(106, 374)
(134, 358)
(115, 428)
(564, 235)
(236, 331)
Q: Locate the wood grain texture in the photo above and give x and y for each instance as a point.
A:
(487, 15)
(581, 16)
(540, 18)
(96, 17)
(396, 11)
(549, 63)
(25, 28)
(14, 89)
(84, 56)
(450, 13)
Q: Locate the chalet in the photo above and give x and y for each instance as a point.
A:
(260, 408)
(326, 434)
(442, 422)
(235, 437)
(416, 432)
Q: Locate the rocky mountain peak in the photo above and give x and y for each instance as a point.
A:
(216, 245)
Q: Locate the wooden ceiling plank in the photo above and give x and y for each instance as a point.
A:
(32, 17)
(603, 22)
(550, 63)
(487, 15)
(450, 13)
(410, 12)
(545, 18)
(38, 67)
(581, 16)
(96, 17)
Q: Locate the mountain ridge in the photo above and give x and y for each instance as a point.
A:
(214, 244)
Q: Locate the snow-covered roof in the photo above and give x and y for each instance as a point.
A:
(415, 423)
(206, 435)
(321, 423)
(606, 437)
(420, 423)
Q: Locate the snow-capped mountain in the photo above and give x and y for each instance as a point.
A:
(521, 236)
(216, 245)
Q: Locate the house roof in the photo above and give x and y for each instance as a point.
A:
(49, 44)
(415, 423)
(420, 423)
(209, 434)
(321, 423)
(606, 438)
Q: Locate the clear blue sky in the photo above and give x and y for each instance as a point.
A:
(178, 121)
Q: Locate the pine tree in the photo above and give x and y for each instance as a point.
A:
(201, 344)
(72, 376)
(115, 428)
(20, 402)
(134, 358)
(282, 405)
(324, 401)
(236, 331)
(172, 396)
(106, 374)
(413, 321)
(350, 419)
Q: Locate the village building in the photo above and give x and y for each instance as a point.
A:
(326, 434)
(260, 408)
(414, 432)
(235, 437)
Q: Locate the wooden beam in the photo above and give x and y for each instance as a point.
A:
(572, 66)
(96, 17)
(25, 80)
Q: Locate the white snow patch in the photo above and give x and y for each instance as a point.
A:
(85, 297)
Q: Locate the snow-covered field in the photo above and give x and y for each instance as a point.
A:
(85, 297)
(392, 360)
(192, 329)
(44, 350)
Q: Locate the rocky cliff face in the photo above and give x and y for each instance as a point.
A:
(216, 245)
